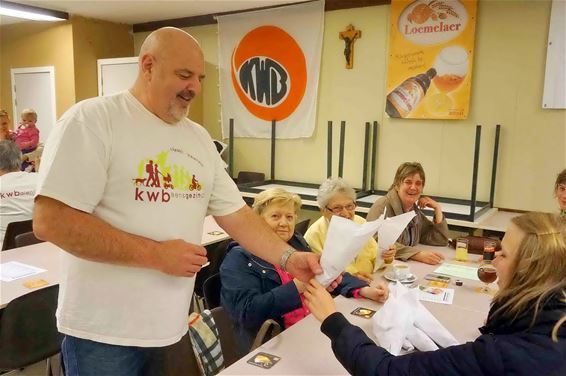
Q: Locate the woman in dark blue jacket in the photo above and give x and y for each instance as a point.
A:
(524, 334)
(253, 290)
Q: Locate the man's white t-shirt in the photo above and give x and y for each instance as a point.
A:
(111, 157)
(17, 190)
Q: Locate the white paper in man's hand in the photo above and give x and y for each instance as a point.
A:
(343, 241)
(392, 228)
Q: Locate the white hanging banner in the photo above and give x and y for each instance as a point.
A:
(269, 63)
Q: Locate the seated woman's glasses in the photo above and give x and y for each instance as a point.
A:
(339, 209)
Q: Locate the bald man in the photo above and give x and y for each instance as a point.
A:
(125, 184)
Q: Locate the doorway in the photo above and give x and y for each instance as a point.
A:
(35, 88)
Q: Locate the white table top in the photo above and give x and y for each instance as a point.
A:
(47, 256)
(304, 350)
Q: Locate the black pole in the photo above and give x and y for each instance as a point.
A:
(366, 156)
(475, 173)
(231, 150)
(373, 154)
(329, 151)
(341, 156)
(494, 166)
(273, 149)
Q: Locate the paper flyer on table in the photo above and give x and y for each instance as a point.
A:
(436, 294)
(344, 240)
(459, 271)
(13, 270)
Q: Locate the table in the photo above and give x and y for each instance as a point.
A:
(304, 350)
(47, 256)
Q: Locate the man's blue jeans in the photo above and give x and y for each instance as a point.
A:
(88, 358)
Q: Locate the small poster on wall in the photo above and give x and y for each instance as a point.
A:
(431, 50)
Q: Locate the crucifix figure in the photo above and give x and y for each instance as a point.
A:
(349, 37)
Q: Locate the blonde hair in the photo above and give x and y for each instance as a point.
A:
(538, 268)
(406, 170)
(275, 196)
(29, 112)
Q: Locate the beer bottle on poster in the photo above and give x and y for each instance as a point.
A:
(405, 97)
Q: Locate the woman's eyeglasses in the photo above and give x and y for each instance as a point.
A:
(339, 209)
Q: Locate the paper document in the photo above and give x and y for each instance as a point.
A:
(12, 270)
(460, 271)
(392, 228)
(389, 232)
(344, 240)
(436, 294)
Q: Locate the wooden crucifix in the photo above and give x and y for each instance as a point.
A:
(349, 37)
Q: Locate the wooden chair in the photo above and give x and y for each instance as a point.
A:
(13, 229)
(27, 238)
(28, 331)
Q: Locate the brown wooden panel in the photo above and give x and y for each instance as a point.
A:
(209, 19)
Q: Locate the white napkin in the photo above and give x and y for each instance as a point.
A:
(343, 241)
(390, 231)
(403, 322)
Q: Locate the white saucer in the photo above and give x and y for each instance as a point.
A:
(390, 275)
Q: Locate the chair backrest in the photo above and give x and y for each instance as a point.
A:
(27, 238)
(301, 227)
(211, 290)
(13, 229)
(250, 177)
(28, 331)
(226, 334)
(215, 253)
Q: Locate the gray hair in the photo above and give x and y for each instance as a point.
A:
(331, 187)
(10, 156)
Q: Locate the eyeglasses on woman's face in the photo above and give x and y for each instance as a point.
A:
(337, 209)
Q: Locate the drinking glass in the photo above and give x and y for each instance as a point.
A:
(487, 274)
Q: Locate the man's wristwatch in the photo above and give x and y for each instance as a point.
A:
(285, 258)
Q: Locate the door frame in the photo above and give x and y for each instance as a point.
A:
(47, 69)
(112, 61)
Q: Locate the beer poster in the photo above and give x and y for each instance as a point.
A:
(431, 51)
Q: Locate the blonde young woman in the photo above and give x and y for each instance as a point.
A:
(405, 195)
(254, 290)
(560, 191)
(337, 198)
(525, 331)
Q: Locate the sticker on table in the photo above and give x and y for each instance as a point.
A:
(215, 233)
(264, 360)
(366, 313)
(35, 283)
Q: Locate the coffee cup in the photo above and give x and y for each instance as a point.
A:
(401, 271)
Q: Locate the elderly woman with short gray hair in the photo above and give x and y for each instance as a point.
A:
(336, 197)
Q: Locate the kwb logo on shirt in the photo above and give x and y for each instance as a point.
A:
(160, 182)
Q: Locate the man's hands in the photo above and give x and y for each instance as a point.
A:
(428, 257)
(319, 301)
(179, 258)
(304, 265)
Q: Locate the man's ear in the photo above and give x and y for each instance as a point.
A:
(147, 64)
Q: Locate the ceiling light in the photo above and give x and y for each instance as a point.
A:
(30, 12)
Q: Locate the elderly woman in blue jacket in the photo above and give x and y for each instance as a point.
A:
(525, 332)
(253, 290)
